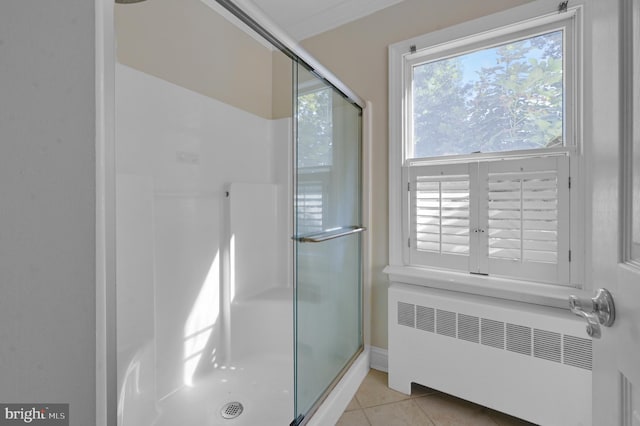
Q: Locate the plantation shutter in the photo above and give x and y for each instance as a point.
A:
(502, 217)
(441, 210)
(310, 206)
(526, 217)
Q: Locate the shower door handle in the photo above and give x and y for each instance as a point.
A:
(330, 234)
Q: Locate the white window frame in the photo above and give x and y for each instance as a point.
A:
(517, 23)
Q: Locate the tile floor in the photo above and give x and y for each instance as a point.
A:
(377, 405)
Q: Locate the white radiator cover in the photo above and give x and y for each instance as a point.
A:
(525, 360)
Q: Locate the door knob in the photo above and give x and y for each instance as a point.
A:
(598, 310)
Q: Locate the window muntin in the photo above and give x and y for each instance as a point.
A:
(506, 97)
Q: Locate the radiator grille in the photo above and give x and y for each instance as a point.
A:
(446, 323)
(492, 333)
(543, 344)
(577, 351)
(519, 339)
(406, 314)
(547, 345)
(425, 318)
(468, 328)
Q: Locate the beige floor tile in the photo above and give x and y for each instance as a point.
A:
(375, 404)
(353, 405)
(402, 413)
(374, 391)
(445, 410)
(353, 418)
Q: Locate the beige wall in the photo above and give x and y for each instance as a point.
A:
(282, 85)
(189, 44)
(357, 54)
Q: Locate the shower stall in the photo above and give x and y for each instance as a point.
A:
(238, 221)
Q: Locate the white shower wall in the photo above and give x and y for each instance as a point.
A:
(177, 152)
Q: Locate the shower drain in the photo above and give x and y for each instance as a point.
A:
(231, 410)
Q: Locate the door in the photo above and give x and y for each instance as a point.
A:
(611, 29)
(328, 290)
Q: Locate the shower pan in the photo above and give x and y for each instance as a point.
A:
(238, 220)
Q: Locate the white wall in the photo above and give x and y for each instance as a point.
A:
(47, 198)
(177, 151)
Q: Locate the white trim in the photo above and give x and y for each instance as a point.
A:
(379, 359)
(490, 156)
(397, 197)
(367, 247)
(491, 36)
(106, 377)
(536, 13)
(500, 288)
(629, 128)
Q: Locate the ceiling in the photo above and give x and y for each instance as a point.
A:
(301, 19)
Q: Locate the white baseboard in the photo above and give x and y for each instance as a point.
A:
(379, 359)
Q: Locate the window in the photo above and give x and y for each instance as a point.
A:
(485, 127)
(501, 98)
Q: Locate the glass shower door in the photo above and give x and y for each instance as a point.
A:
(328, 291)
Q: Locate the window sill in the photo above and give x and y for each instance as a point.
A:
(482, 285)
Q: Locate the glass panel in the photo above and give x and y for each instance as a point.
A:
(505, 98)
(328, 282)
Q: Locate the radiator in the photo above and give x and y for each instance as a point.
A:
(529, 361)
